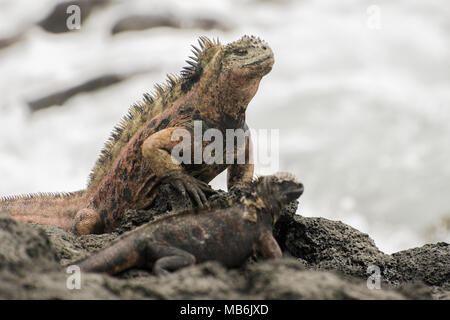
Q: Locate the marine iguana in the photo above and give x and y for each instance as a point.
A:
(215, 89)
(228, 235)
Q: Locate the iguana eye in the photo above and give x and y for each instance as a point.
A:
(240, 52)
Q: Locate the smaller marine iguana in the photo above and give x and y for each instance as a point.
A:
(228, 235)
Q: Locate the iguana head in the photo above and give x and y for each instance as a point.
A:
(228, 75)
(246, 58)
(278, 190)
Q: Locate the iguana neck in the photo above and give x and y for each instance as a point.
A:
(265, 210)
(223, 97)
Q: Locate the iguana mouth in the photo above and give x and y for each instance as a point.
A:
(258, 61)
(295, 193)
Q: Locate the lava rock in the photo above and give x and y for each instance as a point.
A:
(60, 97)
(324, 259)
(145, 22)
(55, 22)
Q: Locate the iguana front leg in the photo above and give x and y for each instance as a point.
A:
(163, 258)
(267, 246)
(86, 221)
(157, 150)
(125, 253)
(242, 173)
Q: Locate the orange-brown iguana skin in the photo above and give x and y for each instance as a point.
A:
(215, 89)
(228, 235)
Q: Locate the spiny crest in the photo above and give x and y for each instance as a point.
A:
(153, 103)
(183, 212)
(164, 217)
(40, 195)
(195, 64)
(269, 181)
(285, 176)
(246, 40)
(277, 177)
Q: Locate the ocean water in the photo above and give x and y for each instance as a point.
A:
(360, 94)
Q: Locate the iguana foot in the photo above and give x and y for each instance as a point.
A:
(87, 221)
(168, 259)
(173, 263)
(186, 184)
(268, 247)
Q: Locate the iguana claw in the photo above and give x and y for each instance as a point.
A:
(188, 185)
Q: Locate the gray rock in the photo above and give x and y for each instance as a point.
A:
(68, 247)
(324, 244)
(55, 22)
(281, 279)
(144, 22)
(324, 260)
(23, 247)
(288, 279)
(59, 98)
(329, 245)
(429, 263)
(10, 40)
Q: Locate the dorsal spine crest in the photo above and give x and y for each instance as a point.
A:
(153, 104)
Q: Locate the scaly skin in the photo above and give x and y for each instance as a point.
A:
(180, 239)
(215, 89)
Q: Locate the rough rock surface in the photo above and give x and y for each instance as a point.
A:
(332, 245)
(324, 260)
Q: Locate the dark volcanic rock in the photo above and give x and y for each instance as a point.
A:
(144, 22)
(289, 279)
(55, 22)
(282, 279)
(324, 244)
(331, 263)
(24, 247)
(429, 263)
(332, 245)
(329, 245)
(68, 247)
(60, 97)
(6, 42)
(168, 200)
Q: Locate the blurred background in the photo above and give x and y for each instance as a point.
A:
(360, 92)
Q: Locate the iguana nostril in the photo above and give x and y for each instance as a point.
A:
(264, 47)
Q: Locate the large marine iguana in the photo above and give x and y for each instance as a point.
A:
(228, 235)
(215, 89)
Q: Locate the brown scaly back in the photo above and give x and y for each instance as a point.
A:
(153, 104)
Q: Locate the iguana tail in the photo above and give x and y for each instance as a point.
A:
(57, 209)
(123, 253)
